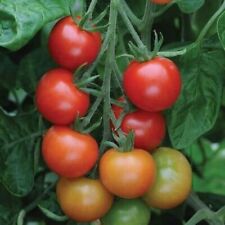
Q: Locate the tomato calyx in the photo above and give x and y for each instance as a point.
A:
(85, 20)
(125, 141)
(84, 83)
(80, 125)
(142, 54)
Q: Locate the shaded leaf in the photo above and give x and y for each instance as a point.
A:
(198, 106)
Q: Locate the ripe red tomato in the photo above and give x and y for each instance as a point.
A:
(161, 2)
(69, 153)
(153, 85)
(127, 174)
(173, 180)
(71, 46)
(148, 127)
(58, 99)
(83, 199)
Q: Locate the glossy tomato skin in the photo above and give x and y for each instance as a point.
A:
(148, 127)
(153, 85)
(83, 199)
(58, 99)
(173, 180)
(127, 174)
(128, 212)
(69, 153)
(70, 46)
(161, 2)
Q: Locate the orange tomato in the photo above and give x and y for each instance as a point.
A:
(127, 174)
(83, 199)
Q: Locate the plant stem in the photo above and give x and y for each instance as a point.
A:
(134, 19)
(110, 58)
(91, 8)
(92, 111)
(204, 212)
(101, 53)
(146, 24)
(130, 27)
(210, 22)
(33, 205)
(164, 9)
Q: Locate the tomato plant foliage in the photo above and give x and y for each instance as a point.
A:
(193, 38)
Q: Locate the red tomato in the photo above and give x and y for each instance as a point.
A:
(148, 127)
(161, 2)
(153, 85)
(127, 174)
(71, 46)
(83, 199)
(58, 99)
(69, 153)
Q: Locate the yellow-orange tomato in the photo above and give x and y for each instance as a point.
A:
(161, 2)
(127, 174)
(173, 180)
(83, 199)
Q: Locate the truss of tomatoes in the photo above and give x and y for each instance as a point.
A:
(146, 176)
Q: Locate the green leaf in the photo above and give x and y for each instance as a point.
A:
(51, 209)
(9, 207)
(20, 20)
(17, 143)
(32, 67)
(196, 110)
(210, 158)
(199, 19)
(7, 72)
(221, 29)
(190, 6)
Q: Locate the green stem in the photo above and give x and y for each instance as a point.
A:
(110, 57)
(92, 111)
(210, 22)
(134, 19)
(203, 212)
(130, 27)
(91, 8)
(104, 47)
(88, 14)
(146, 24)
(33, 205)
(164, 9)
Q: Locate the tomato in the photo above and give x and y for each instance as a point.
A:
(128, 212)
(71, 46)
(149, 127)
(173, 179)
(153, 85)
(161, 2)
(83, 199)
(127, 174)
(69, 153)
(58, 99)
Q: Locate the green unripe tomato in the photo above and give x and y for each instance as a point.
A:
(128, 212)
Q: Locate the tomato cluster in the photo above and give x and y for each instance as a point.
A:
(142, 177)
